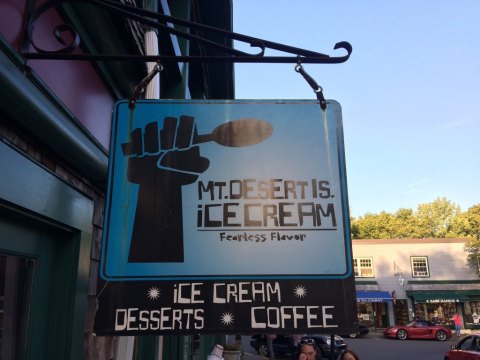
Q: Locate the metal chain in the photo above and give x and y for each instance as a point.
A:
(140, 88)
(316, 88)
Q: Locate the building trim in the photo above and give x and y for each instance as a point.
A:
(23, 101)
(438, 282)
(366, 282)
(359, 242)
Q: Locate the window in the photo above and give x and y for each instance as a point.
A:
(363, 267)
(419, 266)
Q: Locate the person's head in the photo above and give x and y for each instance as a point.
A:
(349, 355)
(307, 349)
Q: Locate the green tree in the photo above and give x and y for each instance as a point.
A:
(406, 225)
(354, 229)
(435, 218)
(374, 226)
(460, 226)
(472, 229)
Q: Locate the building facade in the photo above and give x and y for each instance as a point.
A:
(398, 280)
(55, 118)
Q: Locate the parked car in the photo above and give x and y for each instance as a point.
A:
(283, 344)
(418, 329)
(362, 330)
(466, 349)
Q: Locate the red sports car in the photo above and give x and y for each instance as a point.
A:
(418, 329)
(467, 349)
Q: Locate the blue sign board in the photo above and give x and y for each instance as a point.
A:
(275, 207)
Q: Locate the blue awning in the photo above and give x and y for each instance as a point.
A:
(373, 296)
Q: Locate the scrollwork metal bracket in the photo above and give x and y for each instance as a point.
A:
(166, 23)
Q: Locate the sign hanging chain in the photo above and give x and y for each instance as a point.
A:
(317, 89)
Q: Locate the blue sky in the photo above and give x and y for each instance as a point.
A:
(409, 92)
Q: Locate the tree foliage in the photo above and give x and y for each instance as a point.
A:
(435, 218)
(472, 229)
(440, 218)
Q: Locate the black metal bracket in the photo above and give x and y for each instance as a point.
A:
(166, 23)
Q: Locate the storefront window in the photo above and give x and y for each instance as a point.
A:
(373, 314)
(471, 314)
(438, 313)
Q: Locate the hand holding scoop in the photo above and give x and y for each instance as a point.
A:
(236, 133)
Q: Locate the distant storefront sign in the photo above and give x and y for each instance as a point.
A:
(374, 296)
(226, 216)
(442, 296)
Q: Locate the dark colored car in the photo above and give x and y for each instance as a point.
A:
(418, 329)
(466, 349)
(362, 330)
(283, 344)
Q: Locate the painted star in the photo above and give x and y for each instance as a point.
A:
(300, 291)
(227, 318)
(153, 293)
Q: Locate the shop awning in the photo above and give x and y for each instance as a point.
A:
(373, 296)
(443, 296)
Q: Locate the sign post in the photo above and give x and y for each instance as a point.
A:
(226, 217)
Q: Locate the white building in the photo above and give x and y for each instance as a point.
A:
(398, 280)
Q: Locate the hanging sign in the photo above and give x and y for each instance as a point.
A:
(226, 217)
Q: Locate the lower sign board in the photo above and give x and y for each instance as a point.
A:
(226, 217)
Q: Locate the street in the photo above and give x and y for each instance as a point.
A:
(375, 347)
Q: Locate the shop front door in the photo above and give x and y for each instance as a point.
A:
(33, 307)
